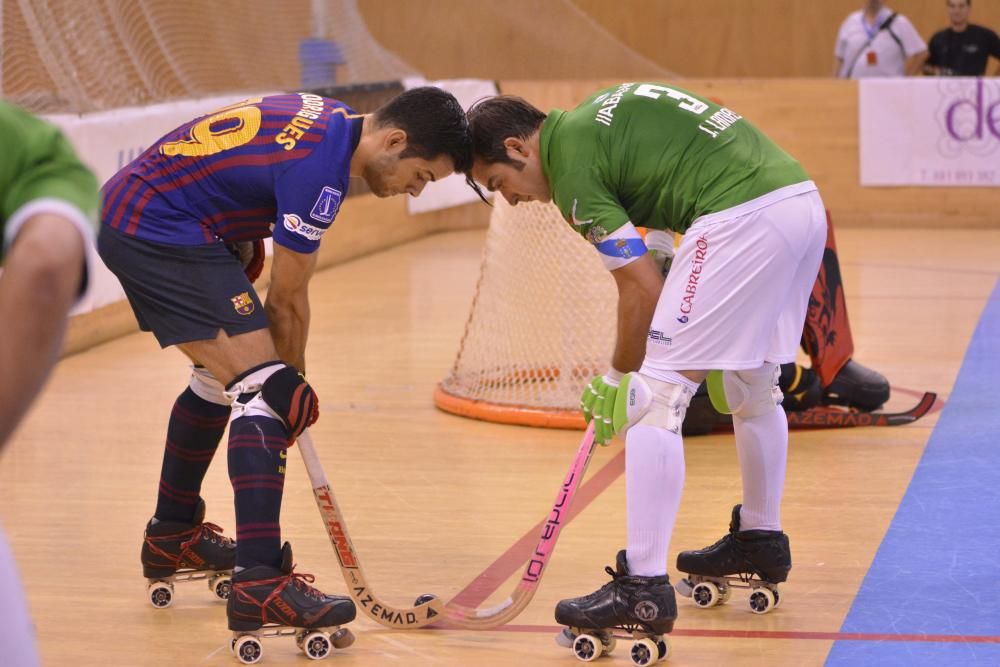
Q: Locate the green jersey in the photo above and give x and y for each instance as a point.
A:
(40, 173)
(658, 157)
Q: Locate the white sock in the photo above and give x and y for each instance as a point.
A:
(762, 445)
(654, 479)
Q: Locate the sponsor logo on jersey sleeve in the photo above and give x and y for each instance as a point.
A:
(243, 303)
(294, 224)
(326, 206)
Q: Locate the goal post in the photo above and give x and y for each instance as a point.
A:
(542, 323)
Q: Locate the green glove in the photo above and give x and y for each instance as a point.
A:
(598, 402)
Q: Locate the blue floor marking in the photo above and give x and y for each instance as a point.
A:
(937, 570)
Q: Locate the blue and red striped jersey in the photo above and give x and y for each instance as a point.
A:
(278, 163)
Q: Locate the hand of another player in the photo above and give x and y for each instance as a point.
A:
(251, 256)
(598, 402)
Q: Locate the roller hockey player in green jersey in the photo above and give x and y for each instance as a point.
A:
(734, 302)
(48, 214)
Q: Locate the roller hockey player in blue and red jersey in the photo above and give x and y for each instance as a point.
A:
(183, 229)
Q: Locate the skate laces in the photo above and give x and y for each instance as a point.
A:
(301, 583)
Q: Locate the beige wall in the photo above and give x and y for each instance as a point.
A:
(548, 39)
(816, 120)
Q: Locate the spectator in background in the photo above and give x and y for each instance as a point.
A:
(964, 48)
(876, 41)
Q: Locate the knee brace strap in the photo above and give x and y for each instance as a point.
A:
(653, 402)
(746, 393)
(207, 388)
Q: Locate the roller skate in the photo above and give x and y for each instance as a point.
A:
(277, 602)
(174, 551)
(857, 386)
(755, 559)
(643, 607)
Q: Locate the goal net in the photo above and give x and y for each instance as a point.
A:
(542, 323)
(70, 56)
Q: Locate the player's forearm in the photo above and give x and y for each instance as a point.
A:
(289, 325)
(40, 281)
(635, 313)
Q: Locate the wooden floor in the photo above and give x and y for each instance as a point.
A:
(432, 500)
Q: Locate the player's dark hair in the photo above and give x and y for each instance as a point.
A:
(491, 121)
(494, 119)
(434, 123)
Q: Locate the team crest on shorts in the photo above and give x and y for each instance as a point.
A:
(243, 303)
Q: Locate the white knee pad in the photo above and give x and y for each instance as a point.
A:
(207, 388)
(656, 403)
(747, 393)
(252, 404)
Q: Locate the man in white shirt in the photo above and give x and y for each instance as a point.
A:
(876, 41)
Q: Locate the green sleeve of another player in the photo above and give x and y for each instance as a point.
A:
(587, 204)
(40, 172)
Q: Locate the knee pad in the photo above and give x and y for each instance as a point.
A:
(207, 388)
(654, 402)
(747, 393)
(278, 391)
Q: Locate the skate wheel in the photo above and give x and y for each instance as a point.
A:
(761, 601)
(424, 599)
(664, 648)
(587, 648)
(609, 644)
(565, 638)
(644, 652)
(683, 587)
(248, 649)
(316, 645)
(221, 585)
(777, 598)
(342, 638)
(161, 594)
(705, 594)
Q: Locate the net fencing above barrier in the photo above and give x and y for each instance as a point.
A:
(72, 56)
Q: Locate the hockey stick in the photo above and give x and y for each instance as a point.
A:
(481, 619)
(350, 566)
(830, 417)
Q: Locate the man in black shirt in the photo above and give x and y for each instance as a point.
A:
(964, 48)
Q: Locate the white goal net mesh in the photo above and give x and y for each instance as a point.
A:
(59, 56)
(542, 323)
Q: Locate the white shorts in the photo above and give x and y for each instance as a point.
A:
(17, 636)
(738, 289)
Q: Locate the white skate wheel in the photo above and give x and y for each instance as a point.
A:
(248, 649)
(587, 648)
(565, 638)
(161, 594)
(664, 646)
(761, 601)
(705, 594)
(316, 645)
(644, 652)
(221, 585)
(341, 638)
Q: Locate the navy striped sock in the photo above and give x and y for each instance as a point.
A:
(193, 434)
(257, 449)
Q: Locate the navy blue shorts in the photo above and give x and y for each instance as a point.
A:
(182, 293)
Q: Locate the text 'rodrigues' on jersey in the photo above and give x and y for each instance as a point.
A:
(277, 165)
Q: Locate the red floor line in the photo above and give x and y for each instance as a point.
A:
(777, 634)
(517, 555)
